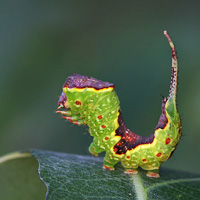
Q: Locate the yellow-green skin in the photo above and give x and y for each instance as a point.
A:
(96, 103)
(100, 110)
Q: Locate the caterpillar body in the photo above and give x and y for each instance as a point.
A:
(86, 100)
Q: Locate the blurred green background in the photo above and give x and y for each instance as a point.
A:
(43, 42)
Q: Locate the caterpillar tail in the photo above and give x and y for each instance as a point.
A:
(171, 100)
(168, 130)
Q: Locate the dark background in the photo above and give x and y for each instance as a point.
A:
(43, 42)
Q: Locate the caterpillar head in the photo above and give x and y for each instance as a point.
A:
(68, 100)
(77, 88)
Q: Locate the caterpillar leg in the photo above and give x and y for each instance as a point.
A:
(73, 118)
(94, 149)
(68, 112)
(129, 168)
(153, 173)
(130, 171)
(110, 161)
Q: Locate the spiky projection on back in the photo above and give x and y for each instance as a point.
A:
(86, 100)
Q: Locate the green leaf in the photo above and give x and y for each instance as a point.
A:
(19, 178)
(82, 177)
(77, 177)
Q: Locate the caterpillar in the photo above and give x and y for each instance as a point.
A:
(86, 100)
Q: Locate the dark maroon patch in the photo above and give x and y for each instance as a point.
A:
(163, 119)
(129, 140)
(174, 54)
(80, 81)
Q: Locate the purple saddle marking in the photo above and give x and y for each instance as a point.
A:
(80, 81)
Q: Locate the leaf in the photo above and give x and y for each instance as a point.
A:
(81, 177)
(77, 177)
(19, 178)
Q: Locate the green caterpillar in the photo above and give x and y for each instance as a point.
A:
(92, 102)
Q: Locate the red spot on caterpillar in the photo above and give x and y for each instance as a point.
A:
(106, 138)
(115, 150)
(100, 117)
(167, 141)
(103, 126)
(127, 157)
(144, 160)
(78, 103)
(158, 154)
